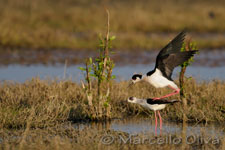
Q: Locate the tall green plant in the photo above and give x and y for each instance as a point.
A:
(100, 70)
(186, 47)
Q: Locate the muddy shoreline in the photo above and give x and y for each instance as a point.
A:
(206, 57)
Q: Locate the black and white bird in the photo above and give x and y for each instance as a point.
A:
(168, 58)
(153, 105)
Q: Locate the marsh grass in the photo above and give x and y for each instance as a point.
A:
(55, 102)
(75, 24)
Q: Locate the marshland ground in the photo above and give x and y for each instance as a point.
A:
(52, 102)
(39, 114)
(145, 24)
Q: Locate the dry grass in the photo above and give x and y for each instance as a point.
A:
(75, 24)
(55, 102)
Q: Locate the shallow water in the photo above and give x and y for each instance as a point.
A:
(208, 65)
(147, 126)
(21, 73)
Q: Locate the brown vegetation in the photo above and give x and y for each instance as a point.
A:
(75, 23)
(53, 102)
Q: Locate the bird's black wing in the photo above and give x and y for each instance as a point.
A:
(161, 101)
(168, 62)
(171, 56)
(173, 46)
(166, 54)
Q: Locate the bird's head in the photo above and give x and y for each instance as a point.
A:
(132, 100)
(136, 78)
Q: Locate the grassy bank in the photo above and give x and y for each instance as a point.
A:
(49, 102)
(76, 24)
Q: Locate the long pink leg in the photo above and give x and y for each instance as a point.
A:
(175, 92)
(160, 121)
(155, 123)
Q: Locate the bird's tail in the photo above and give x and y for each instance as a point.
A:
(174, 101)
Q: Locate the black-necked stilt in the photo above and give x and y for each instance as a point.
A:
(153, 105)
(168, 58)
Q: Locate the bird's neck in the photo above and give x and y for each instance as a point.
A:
(141, 102)
(145, 78)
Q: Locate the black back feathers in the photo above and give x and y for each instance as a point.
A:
(161, 101)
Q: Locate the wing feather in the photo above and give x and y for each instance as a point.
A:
(171, 56)
(170, 61)
(174, 46)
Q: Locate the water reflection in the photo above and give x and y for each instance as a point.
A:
(146, 126)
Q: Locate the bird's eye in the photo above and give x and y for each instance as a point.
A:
(131, 98)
